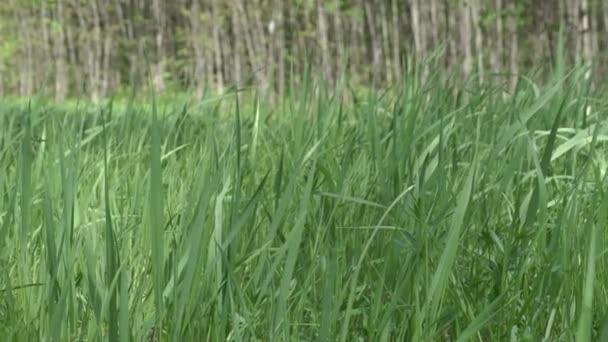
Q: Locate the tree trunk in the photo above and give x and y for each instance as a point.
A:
(105, 72)
(339, 36)
(514, 57)
(396, 38)
(475, 10)
(585, 32)
(238, 49)
(75, 69)
(386, 42)
(497, 53)
(158, 72)
(95, 56)
(416, 31)
(261, 46)
(217, 47)
(323, 40)
(376, 48)
(45, 57)
(435, 24)
(465, 38)
(195, 39)
(256, 59)
(451, 25)
(61, 87)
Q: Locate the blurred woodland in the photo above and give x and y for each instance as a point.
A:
(93, 48)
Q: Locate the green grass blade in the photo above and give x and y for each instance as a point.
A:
(111, 250)
(448, 257)
(156, 217)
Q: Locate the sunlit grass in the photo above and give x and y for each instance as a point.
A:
(428, 211)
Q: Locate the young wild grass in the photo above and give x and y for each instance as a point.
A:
(435, 211)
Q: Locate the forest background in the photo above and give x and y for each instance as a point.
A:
(95, 48)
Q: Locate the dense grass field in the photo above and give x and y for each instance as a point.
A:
(429, 211)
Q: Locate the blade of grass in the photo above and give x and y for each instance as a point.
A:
(111, 250)
(448, 257)
(585, 322)
(292, 245)
(156, 217)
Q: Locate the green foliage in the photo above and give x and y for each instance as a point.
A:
(428, 211)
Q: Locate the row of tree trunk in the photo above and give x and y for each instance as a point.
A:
(96, 47)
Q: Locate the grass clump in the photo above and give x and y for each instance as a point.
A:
(426, 212)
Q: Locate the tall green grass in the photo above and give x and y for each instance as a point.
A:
(431, 211)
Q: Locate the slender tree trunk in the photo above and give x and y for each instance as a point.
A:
(45, 57)
(237, 48)
(158, 73)
(197, 46)
(435, 24)
(575, 25)
(95, 56)
(74, 69)
(386, 42)
(594, 11)
(280, 45)
(323, 40)
(605, 21)
(376, 48)
(357, 47)
(417, 35)
(451, 26)
(339, 38)
(105, 71)
(256, 59)
(61, 87)
(585, 32)
(475, 10)
(396, 38)
(465, 38)
(497, 53)
(514, 53)
(261, 46)
(124, 42)
(132, 45)
(217, 46)
(86, 41)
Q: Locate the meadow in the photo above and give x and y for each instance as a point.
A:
(440, 210)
